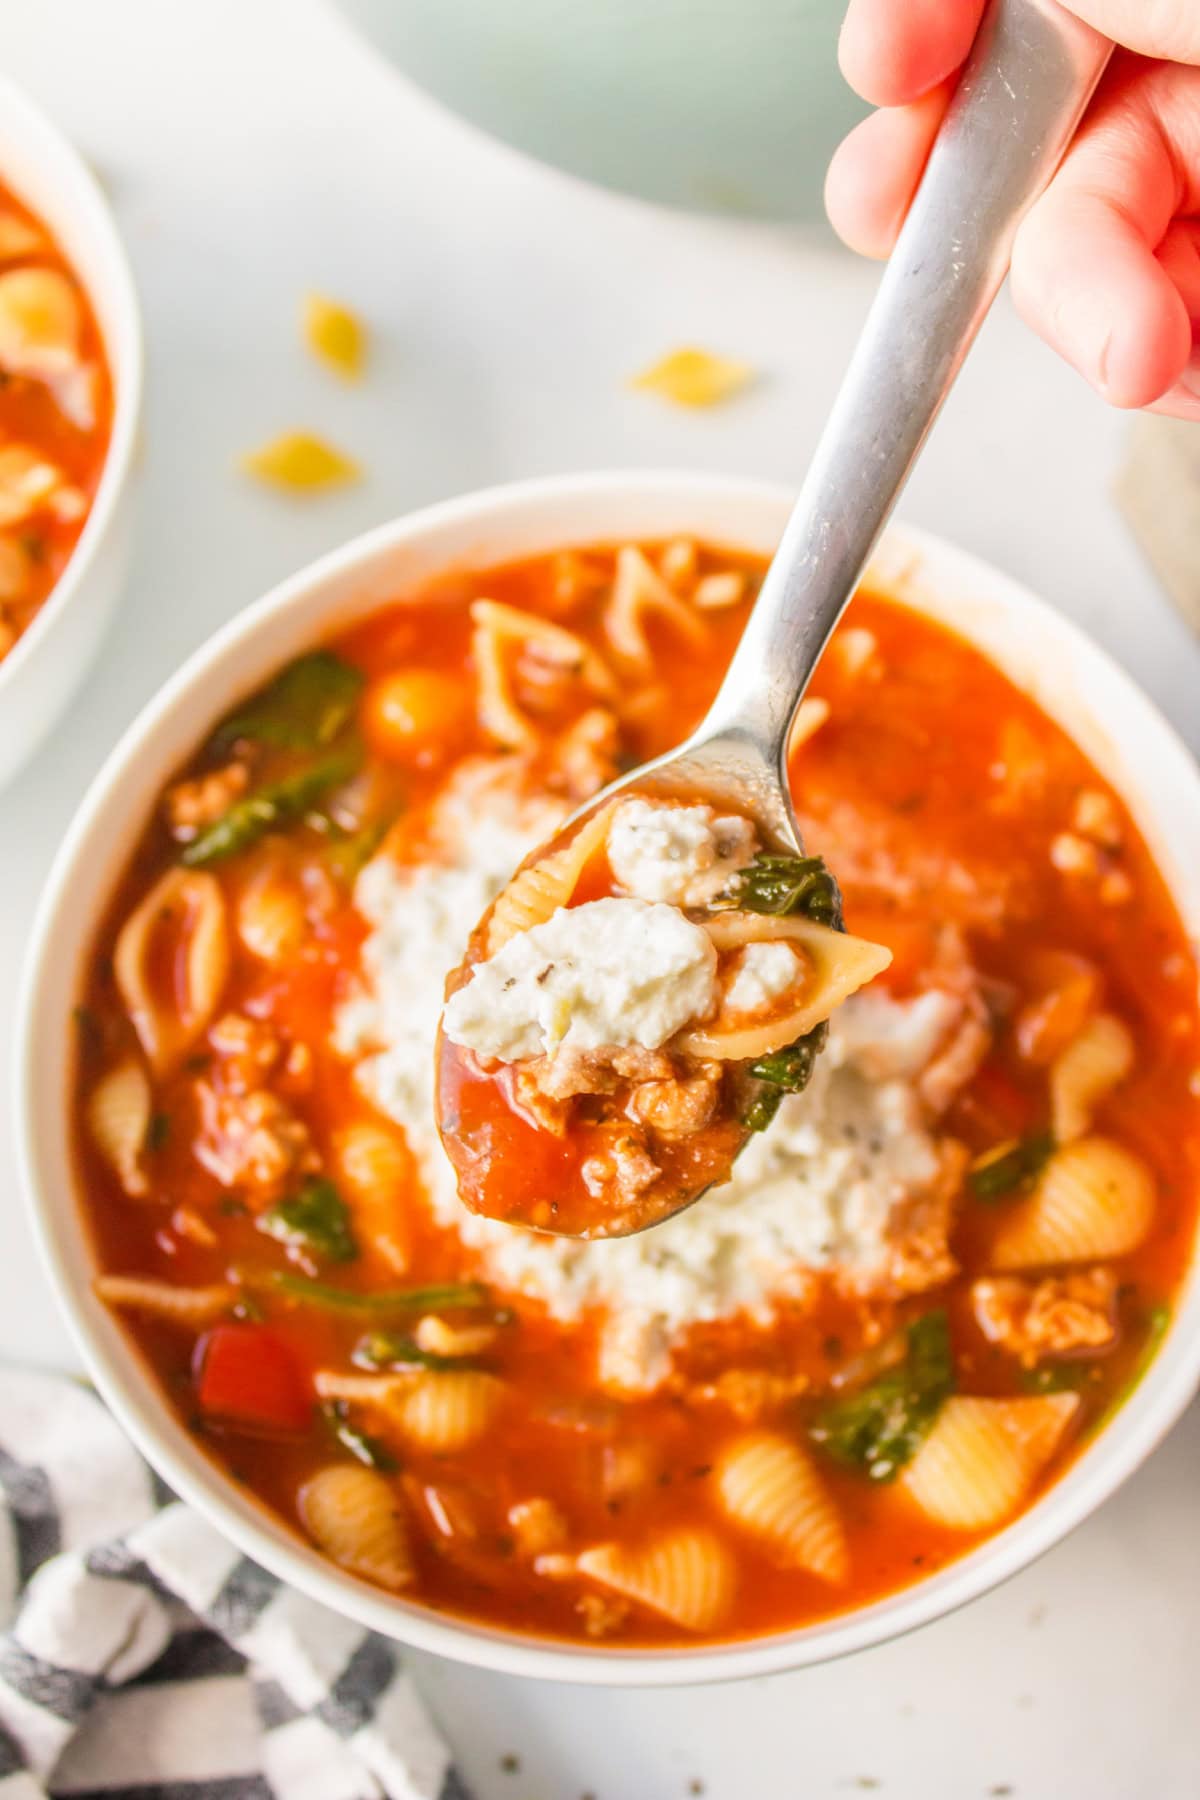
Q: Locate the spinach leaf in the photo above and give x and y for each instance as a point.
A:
(1009, 1167)
(314, 1220)
(880, 1428)
(270, 808)
(395, 1350)
(384, 1301)
(1155, 1322)
(367, 1449)
(1059, 1377)
(784, 885)
(304, 708)
(786, 1071)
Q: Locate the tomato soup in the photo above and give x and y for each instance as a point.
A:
(933, 1273)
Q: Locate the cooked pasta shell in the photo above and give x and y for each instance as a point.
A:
(440, 1338)
(271, 920)
(163, 1300)
(687, 1575)
(981, 1458)
(534, 893)
(355, 1516)
(40, 323)
(181, 923)
(497, 629)
(28, 480)
(640, 594)
(446, 1409)
(1093, 1063)
(1093, 1199)
(766, 1484)
(840, 965)
(712, 593)
(376, 1169)
(118, 1118)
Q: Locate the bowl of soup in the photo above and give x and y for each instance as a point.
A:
(70, 395)
(945, 1304)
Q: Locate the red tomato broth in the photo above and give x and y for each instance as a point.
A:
(31, 417)
(904, 763)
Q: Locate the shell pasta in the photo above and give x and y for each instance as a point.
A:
(947, 1103)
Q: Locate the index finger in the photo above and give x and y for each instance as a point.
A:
(892, 53)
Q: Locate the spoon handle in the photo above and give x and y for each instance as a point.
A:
(1029, 76)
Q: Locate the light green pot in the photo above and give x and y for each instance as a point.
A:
(716, 105)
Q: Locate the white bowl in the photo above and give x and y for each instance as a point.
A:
(1070, 677)
(48, 661)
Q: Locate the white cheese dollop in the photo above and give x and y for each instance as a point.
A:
(608, 972)
(684, 855)
(763, 973)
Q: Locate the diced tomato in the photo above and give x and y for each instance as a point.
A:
(246, 1375)
(996, 1106)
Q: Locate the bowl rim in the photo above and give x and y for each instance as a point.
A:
(115, 1364)
(124, 348)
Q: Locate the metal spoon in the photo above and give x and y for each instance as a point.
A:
(1030, 74)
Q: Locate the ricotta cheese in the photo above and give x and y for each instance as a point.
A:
(821, 1189)
(763, 973)
(608, 972)
(684, 855)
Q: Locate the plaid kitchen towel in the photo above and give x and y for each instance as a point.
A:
(145, 1659)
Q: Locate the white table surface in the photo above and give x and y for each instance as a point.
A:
(254, 149)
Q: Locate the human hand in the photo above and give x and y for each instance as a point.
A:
(1106, 265)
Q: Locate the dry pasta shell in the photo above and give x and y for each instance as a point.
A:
(982, 1457)
(189, 906)
(766, 1484)
(694, 377)
(118, 1118)
(300, 462)
(1093, 1063)
(687, 1575)
(334, 334)
(497, 628)
(1093, 1199)
(839, 964)
(163, 1300)
(355, 1516)
(376, 1169)
(640, 594)
(445, 1410)
(535, 892)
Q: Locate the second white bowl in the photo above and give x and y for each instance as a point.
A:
(45, 666)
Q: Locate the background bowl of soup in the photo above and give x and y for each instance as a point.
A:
(733, 107)
(75, 424)
(1049, 659)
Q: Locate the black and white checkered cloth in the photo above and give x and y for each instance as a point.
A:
(145, 1659)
